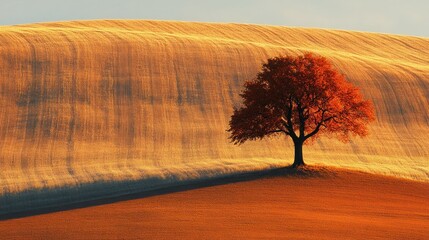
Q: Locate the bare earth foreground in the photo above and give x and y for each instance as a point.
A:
(327, 204)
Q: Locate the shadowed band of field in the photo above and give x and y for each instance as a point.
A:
(87, 195)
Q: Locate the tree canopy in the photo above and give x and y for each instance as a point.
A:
(303, 97)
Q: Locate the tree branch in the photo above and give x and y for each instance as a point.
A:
(288, 121)
(301, 120)
(321, 123)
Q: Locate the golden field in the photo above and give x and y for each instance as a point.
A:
(108, 101)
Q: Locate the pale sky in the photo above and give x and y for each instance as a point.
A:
(405, 17)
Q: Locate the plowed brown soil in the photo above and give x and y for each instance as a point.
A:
(331, 205)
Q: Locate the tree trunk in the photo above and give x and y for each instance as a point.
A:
(299, 159)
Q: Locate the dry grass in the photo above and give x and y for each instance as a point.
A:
(90, 101)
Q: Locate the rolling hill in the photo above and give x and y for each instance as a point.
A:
(95, 107)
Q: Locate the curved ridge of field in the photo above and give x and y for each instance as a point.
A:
(311, 203)
(122, 100)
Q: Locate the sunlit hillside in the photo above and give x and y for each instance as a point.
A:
(97, 101)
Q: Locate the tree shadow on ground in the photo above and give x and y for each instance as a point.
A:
(87, 195)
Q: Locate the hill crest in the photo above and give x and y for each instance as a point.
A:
(88, 101)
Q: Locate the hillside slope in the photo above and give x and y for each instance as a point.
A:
(92, 101)
(342, 205)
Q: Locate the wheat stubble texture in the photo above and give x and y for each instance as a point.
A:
(91, 101)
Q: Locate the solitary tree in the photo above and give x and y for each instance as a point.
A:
(302, 97)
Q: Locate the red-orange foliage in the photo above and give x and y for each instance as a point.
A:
(302, 97)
